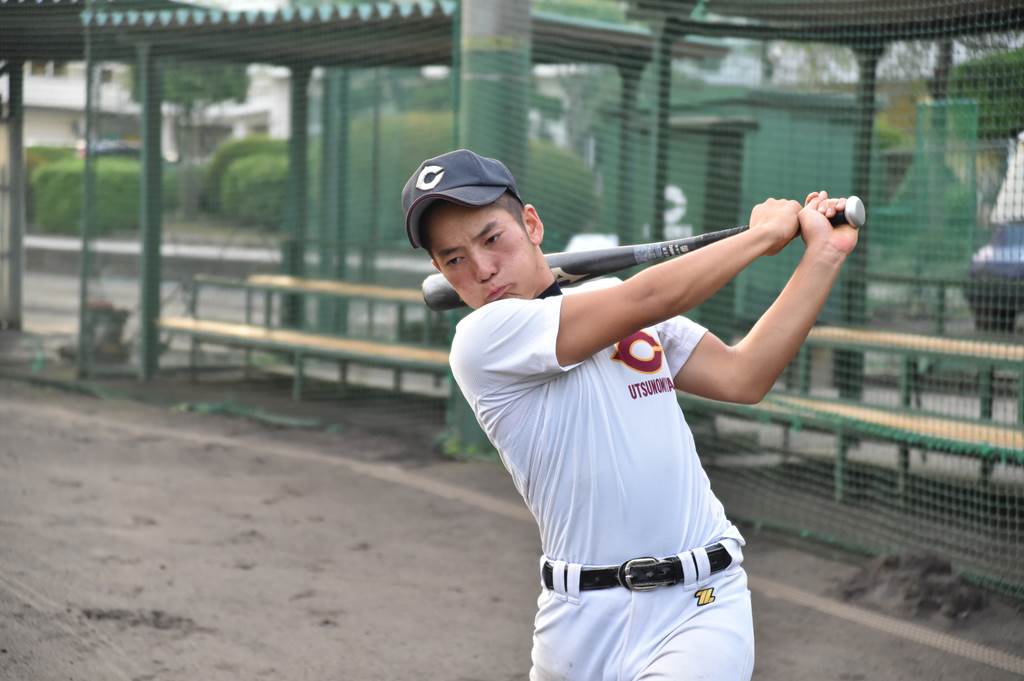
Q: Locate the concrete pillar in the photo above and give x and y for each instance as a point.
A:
(12, 223)
(495, 80)
(150, 212)
(494, 86)
(293, 258)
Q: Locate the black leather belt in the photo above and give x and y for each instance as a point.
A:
(642, 574)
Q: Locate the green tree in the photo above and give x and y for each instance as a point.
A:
(192, 88)
(994, 81)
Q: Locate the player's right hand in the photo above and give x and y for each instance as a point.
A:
(777, 219)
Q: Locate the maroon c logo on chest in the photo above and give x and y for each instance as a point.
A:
(647, 365)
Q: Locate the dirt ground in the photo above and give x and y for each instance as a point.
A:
(140, 542)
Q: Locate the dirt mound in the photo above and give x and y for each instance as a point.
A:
(919, 584)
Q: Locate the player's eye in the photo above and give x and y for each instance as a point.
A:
(493, 238)
(454, 261)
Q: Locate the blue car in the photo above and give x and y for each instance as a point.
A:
(995, 291)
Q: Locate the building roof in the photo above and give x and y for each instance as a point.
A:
(412, 33)
(52, 29)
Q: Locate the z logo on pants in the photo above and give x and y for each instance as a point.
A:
(704, 596)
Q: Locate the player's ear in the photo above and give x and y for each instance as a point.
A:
(533, 225)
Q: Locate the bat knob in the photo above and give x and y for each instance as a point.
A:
(854, 213)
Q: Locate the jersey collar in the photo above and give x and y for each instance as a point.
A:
(553, 290)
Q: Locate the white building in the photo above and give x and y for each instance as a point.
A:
(55, 107)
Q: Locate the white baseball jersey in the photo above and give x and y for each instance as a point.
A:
(599, 450)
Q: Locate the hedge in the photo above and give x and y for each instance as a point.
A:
(229, 152)
(57, 195)
(556, 180)
(35, 158)
(253, 189)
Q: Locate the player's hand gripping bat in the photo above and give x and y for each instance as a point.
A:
(573, 268)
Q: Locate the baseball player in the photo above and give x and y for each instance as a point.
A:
(641, 573)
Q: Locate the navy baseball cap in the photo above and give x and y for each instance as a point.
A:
(459, 176)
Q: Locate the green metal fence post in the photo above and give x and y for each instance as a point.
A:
(849, 365)
(150, 213)
(629, 79)
(88, 225)
(667, 34)
(293, 260)
(11, 252)
(368, 257)
(333, 193)
(456, 70)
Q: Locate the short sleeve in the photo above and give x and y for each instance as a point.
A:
(679, 336)
(507, 346)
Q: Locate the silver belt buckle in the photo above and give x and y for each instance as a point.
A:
(626, 575)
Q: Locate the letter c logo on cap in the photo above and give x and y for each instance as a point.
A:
(425, 182)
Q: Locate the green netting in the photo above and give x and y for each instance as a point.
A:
(287, 134)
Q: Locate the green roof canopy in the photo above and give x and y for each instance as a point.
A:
(371, 34)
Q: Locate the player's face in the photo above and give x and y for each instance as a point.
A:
(486, 255)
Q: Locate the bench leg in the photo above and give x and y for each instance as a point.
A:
(839, 475)
(805, 369)
(342, 373)
(299, 379)
(903, 474)
(986, 379)
(987, 464)
(907, 375)
(193, 360)
(396, 385)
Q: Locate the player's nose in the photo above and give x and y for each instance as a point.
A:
(484, 266)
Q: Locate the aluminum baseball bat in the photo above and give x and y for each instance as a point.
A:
(576, 267)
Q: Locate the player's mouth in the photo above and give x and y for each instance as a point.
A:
(496, 293)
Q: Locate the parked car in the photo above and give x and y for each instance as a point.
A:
(995, 290)
(111, 148)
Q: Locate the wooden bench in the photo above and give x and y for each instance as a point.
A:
(331, 339)
(794, 407)
(991, 443)
(983, 355)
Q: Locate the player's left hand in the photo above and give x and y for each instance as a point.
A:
(818, 232)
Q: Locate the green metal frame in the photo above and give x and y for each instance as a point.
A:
(293, 260)
(150, 212)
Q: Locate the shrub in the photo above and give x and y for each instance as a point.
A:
(253, 189)
(562, 189)
(229, 152)
(57, 195)
(35, 158)
(557, 181)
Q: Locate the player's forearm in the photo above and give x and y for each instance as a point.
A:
(777, 336)
(674, 287)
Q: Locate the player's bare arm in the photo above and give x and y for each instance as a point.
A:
(747, 371)
(596, 319)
